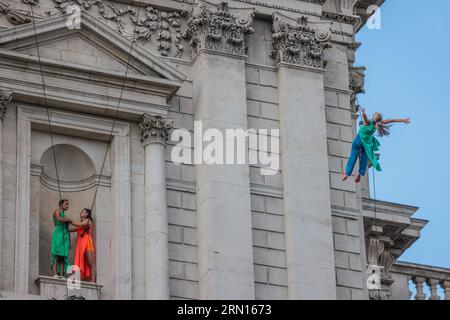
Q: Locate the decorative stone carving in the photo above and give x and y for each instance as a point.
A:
(5, 98)
(380, 255)
(297, 42)
(374, 249)
(357, 82)
(219, 28)
(32, 2)
(154, 129)
(17, 15)
(383, 294)
(146, 22)
(166, 25)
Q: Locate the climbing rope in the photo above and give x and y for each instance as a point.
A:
(46, 103)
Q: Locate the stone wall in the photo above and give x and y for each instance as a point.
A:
(297, 218)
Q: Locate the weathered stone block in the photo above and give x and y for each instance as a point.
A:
(347, 243)
(355, 262)
(341, 259)
(276, 241)
(190, 236)
(339, 225)
(348, 278)
(268, 292)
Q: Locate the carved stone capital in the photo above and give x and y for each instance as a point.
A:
(154, 129)
(5, 98)
(295, 41)
(357, 81)
(219, 28)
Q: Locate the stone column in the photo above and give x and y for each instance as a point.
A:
(217, 38)
(298, 50)
(5, 98)
(154, 132)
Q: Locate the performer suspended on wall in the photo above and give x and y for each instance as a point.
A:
(365, 144)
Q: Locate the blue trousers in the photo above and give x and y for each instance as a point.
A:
(357, 151)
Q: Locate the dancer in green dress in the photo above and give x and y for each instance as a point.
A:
(60, 240)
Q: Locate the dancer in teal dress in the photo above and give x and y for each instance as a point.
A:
(60, 240)
(365, 144)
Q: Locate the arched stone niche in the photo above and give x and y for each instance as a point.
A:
(78, 163)
(77, 180)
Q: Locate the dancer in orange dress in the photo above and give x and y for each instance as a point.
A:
(84, 251)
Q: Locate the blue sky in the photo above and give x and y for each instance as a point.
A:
(408, 75)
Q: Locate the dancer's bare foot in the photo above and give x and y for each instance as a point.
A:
(358, 178)
(344, 177)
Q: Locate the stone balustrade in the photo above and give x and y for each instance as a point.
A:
(423, 277)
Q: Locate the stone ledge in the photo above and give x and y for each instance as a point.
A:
(57, 289)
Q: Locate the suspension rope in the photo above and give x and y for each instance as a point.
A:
(46, 103)
(111, 137)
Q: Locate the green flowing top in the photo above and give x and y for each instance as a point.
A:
(370, 143)
(60, 242)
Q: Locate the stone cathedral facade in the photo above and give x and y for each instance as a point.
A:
(119, 78)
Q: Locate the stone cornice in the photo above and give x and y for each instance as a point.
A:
(342, 18)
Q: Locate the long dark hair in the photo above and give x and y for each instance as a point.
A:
(89, 216)
(383, 130)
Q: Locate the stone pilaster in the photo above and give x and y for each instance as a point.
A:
(154, 133)
(5, 98)
(298, 49)
(217, 34)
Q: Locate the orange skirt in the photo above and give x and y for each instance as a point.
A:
(84, 244)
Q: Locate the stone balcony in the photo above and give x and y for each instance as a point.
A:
(422, 277)
(390, 230)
